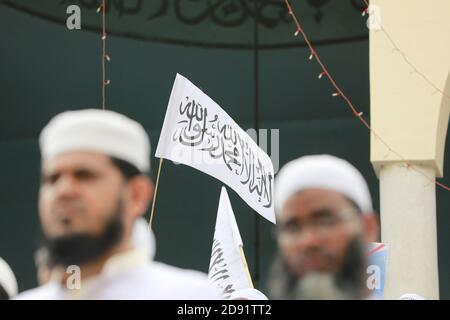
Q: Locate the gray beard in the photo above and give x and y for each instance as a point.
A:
(320, 286)
(347, 284)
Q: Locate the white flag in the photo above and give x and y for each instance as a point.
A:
(227, 269)
(198, 133)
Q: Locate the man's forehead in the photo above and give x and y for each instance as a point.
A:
(311, 201)
(76, 159)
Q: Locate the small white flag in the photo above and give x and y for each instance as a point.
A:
(198, 133)
(227, 269)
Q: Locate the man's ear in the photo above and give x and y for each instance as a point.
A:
(371, 227)
(140, 195)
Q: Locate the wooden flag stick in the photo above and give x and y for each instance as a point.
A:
(156, 192)
(244, 261)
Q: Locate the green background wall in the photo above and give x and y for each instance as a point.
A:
(46, 69)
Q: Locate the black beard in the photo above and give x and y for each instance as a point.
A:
(348, 283)
(80, 248)
(352, 276)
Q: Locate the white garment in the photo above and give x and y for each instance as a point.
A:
(411, 296)
(132, 275)
(7, 279)
(143, 237)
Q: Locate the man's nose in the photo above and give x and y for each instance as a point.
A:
(67, 186)
(307, 238)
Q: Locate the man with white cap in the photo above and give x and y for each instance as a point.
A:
(93, 192)
(324, 221)
(8, 282)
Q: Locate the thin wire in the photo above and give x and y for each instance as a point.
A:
(340, 93)
(257, 240)
(405, 58)
(105, 57)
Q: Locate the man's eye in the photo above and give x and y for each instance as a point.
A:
(50, 179)
(84, 175)
(326, 220)
(291, 227)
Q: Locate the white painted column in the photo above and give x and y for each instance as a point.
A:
(412, 120)
(408, 225)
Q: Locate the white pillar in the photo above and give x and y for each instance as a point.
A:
(413, 122)
(408, 226)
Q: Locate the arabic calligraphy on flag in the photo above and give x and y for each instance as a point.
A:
(227, 269)
(197, 132)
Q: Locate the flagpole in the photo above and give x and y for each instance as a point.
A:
(156, 192)
(244, 261)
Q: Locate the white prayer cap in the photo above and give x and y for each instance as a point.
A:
(97, 130)
(411, 296)
(7, 279)
(248, 294)
(322, 172)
